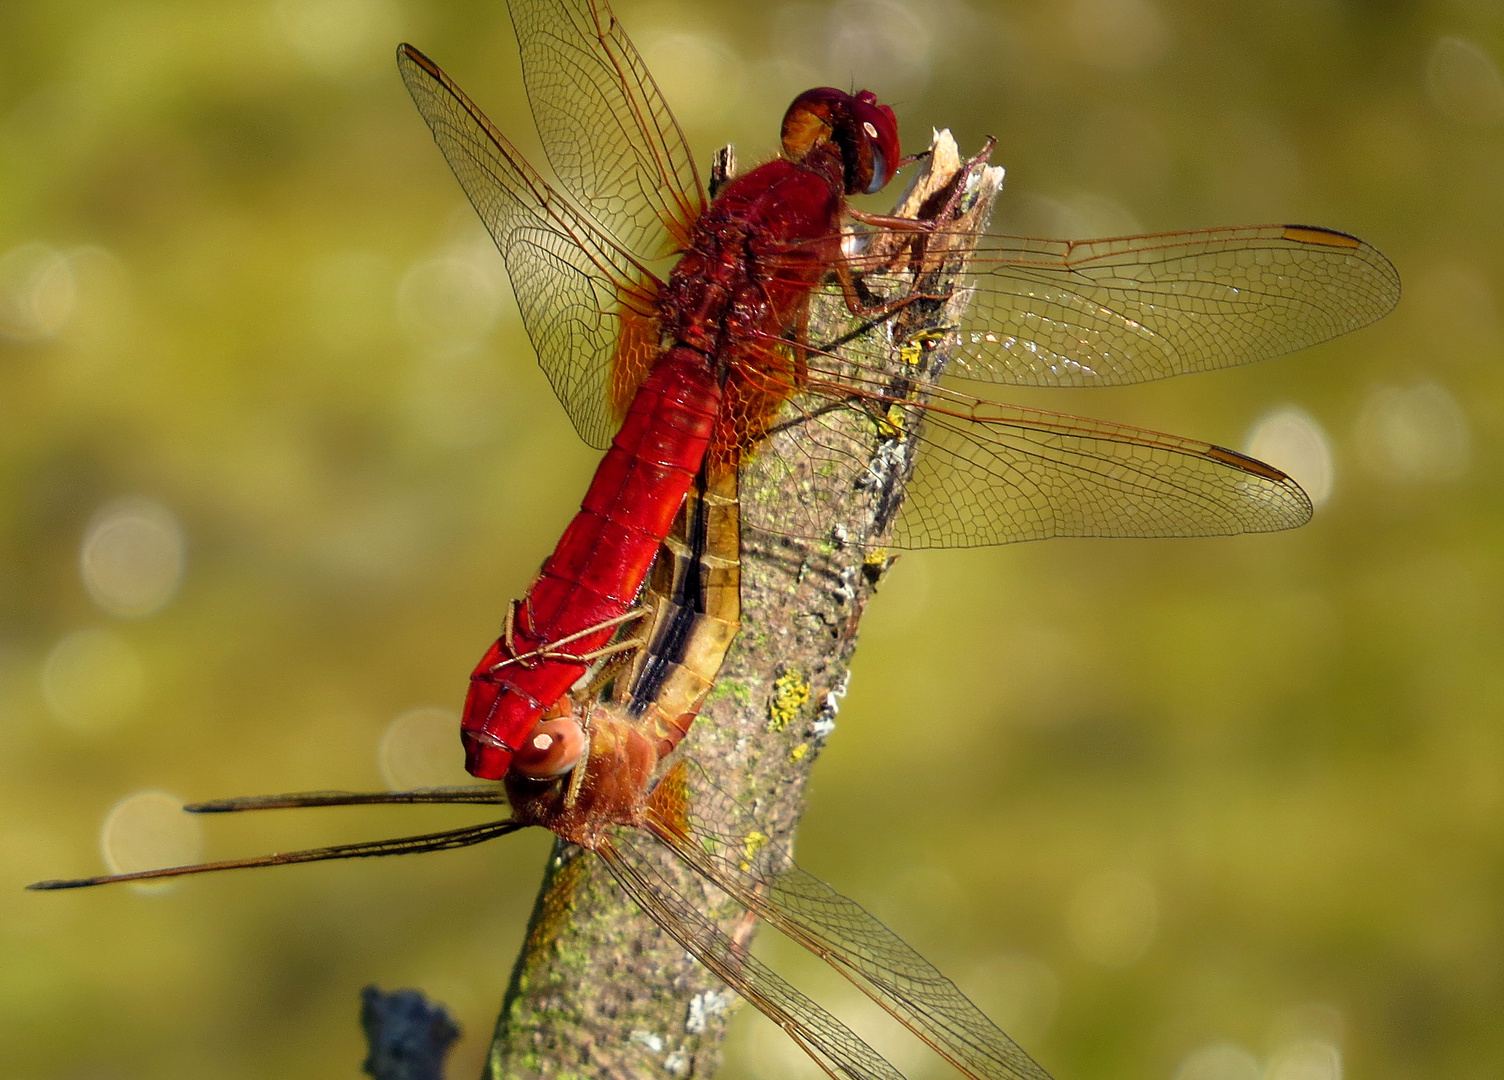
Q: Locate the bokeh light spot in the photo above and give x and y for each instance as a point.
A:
(450, 301)
(148, 830)
(1462, 81)
(421, 748)
(1292, 441)
(1417, 433)
(1311, 1020)
(1219, 1061)
(1307, 1059)
(93, 680)
(38, 294)
(131, 559)
(1113, 918)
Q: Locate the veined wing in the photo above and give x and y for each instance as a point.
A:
(762, 877)
(832, 1045)
(1137, 308)
(587, 303)
(982, 472)
(608, 133)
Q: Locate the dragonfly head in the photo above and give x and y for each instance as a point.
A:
(617, 771)
(553, 749)
(863, 133)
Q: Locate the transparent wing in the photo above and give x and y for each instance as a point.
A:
(832, 1045)
(405, 845)
(1138, 308)
(762, 877)
(466, 795)
(1051, 313)
(981, 472)
(588, 305)
(608, 133)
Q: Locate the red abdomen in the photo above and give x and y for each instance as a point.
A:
(595, 573)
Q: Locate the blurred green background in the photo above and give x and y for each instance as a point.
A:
(276, 452)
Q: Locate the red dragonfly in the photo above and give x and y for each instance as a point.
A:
(703, 363)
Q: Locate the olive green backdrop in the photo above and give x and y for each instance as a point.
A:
(274, 452)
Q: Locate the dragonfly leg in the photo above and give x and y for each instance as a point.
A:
(592, 655)
(577, 777)
(952, 208)
(801, 356)
(888, 221)
(857, 303)
(918, 228)
(610, 671)
(509, 627)
(551, 651)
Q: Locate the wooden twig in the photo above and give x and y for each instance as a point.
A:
(599, 990)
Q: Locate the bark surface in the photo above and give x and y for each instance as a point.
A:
(600, 991)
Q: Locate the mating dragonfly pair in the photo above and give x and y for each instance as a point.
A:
(579, 706)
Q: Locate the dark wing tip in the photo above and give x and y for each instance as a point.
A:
(411, 53)
(1316, 234)
(1298, 508)
(1246, 463)
(211, 806)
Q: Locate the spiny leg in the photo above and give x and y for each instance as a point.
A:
(549, 650)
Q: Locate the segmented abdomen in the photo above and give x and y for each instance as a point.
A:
(597, 570)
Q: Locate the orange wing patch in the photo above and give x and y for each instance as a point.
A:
(668, 805)
(638, 345)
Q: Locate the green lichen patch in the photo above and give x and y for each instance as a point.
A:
(729, 688)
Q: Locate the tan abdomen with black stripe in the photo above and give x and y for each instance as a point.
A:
(694, 594)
